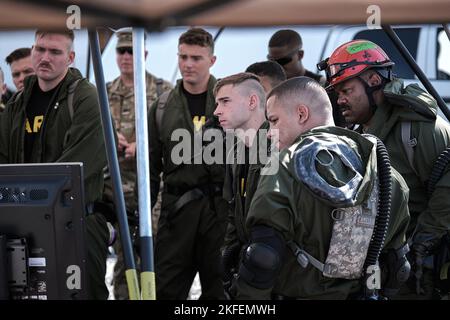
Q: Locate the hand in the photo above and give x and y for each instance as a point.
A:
(423, 246)
(130, 150)
(229, 288)
(417, 256)
(123, 143)
(229, 260)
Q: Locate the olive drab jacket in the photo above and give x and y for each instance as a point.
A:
(239, 195)
(431, 135)
(177, 116)
(285, 203)
(62, 138)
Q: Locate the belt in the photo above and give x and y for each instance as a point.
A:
(212, 189)
(187, 195)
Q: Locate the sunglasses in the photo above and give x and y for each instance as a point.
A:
(122, 50)
(284, 60)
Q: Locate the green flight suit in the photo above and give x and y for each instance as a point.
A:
(189, 239)
(66, 139)
(432, 136)
(284, 203)
(239, 191)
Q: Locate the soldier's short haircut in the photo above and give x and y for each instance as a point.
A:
(270, 69)
(250, 80)
(303, 90)
(197, 36)
(286, 37)
(17, 55)
(68, 33)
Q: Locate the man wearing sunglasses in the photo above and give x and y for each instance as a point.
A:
(285, 48)
(121, 101)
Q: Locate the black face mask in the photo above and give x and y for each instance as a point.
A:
(284, 60)
(122, 50)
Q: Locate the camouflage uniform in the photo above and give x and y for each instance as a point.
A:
(121, 101)
(283, 203)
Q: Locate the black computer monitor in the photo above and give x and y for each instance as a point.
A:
(42, 231)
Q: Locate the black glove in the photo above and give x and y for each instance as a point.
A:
(229, 288)
(424, 245)
(441, 267)
(395, 270)
(229, 264)
(229, 261)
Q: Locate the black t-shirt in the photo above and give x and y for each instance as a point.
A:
(197, 107)
(312, 75)
(36, 109)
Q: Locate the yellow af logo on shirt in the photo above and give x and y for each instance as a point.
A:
(37, 123)
(199, 122)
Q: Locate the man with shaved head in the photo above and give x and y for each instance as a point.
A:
(310, 225)
(298, 109)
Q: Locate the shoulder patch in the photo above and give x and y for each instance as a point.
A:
(331, 149)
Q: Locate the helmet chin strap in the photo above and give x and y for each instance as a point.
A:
(369, 92)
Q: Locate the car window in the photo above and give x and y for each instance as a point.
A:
(410, 38)
(442, 54)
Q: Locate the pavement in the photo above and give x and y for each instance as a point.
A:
(194, 293)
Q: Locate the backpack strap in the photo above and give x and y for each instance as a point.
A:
(71, 91)
(160, 110)
(408, 142)
(304, 258)
(18, 95)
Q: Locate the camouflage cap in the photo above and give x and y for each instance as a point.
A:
(125, 37)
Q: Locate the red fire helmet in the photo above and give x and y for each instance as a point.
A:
(353, 58)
